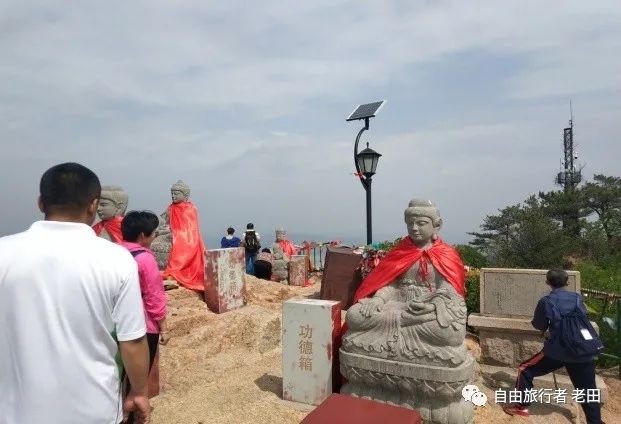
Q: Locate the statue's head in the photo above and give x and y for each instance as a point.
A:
(180, 192)
(112, 202)
(423, 221)
(281, 234)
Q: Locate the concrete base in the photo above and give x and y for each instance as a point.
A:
(434, 391)
(341, 275)
(507, 341)
(308, 335)
(298, 270)
(503, 377)
(224, 279)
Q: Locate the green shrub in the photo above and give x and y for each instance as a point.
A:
(472, 292)
(471, 256)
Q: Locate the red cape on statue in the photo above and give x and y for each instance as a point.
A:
(444, 258)
(186, 263)
(112, 227)
(287, 247)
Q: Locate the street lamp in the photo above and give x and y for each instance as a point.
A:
(366, 160)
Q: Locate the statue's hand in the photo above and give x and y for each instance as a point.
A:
(420, 308)
(370, 307)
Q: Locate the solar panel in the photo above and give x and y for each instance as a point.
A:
(366, 111)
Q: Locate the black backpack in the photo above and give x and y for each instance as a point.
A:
(575, 334)
(251, 242)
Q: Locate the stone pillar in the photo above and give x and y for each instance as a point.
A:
(224, 279)
(298, 270)
(308, 332)
(341, 275)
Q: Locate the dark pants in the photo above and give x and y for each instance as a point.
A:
(153, 340)
(263, 270)
(582, 375)
(250, 257)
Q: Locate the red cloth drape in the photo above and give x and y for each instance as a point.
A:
(287, 247)
(112, 227)
(186, 263)
(443, 257)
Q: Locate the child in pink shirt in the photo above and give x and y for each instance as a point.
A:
(138, 230)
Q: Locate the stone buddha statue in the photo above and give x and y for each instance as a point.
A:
(179, 247)
(282, 249)
(404, 340)
(111, 209)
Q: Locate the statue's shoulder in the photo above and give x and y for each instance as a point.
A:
(446, 248)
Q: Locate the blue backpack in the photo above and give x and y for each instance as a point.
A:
(575, 334)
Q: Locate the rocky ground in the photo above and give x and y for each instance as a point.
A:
(226, 368)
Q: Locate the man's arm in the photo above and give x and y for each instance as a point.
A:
(128, 317)
(540, 318)
(135, 355)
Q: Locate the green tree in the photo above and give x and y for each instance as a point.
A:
(603, 197)
(523, 235)
(471, 256)
(567, 207)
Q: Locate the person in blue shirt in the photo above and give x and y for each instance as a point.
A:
(230, 240)
(547, 318)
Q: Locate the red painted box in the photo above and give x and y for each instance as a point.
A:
(343, 409)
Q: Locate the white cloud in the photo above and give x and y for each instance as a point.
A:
(239, 99)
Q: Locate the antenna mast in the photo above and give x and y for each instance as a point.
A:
(569, 177)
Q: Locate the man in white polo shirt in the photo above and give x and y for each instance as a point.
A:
(66, 298)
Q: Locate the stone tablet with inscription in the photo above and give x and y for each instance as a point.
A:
(515, 292)
(298, 270)
(308, 331)
(224, 279)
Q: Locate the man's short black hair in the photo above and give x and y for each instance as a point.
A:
(250, 226)
(68, 188)
(138, 222)
(266, 250)
(557, 278)
(230, 231)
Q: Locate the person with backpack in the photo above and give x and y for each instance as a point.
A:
(251, 241)
(571, 343)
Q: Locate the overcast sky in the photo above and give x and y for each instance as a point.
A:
(246, 102)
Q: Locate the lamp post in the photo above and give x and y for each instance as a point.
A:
(366, 164)
(366, 160)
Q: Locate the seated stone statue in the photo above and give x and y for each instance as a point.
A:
(282, 249)
(405, 337)
(179, 245)
(111, 209)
